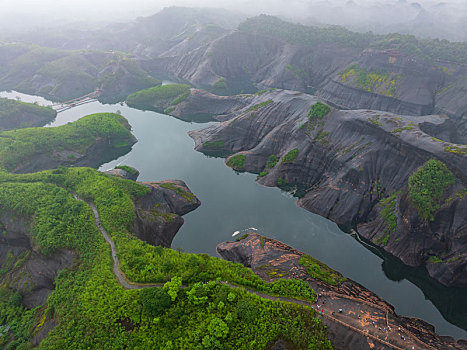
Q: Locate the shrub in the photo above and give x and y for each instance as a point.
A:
(291, 156)
(318, 110)
(259, 105)
(154, 301)
(237, 162)
(272, 161)
(427, 185)
(126, 168)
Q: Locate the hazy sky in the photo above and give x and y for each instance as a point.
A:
(23, 14)
(112, 9)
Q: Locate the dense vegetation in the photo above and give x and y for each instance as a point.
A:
(159, 98)
(93, 311)
(18, 147)
(15, 316)
(429, 49)
(427, 185)
(304, 35)
(16, 114)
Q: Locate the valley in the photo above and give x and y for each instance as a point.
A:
(348, 146)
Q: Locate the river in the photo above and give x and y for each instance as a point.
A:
(232, 202)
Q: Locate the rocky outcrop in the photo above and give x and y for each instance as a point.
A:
(159, 213)
(26, 270)
(343, 166)
(364, 313)
(125, 172)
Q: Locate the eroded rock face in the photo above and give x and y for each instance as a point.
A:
(244, 59)
(159, 213)
(264, 255)
(27, 271)
(348, 162)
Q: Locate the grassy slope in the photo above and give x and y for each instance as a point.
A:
(92, 308)
(16, 114)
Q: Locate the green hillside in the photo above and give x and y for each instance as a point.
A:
(18, 147)
(16, 114)
(93, 311)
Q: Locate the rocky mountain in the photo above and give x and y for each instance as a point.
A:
(355, 167)
(395, 73)
(163, 33)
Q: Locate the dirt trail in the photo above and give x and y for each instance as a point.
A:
(121, 278)
(126, 284)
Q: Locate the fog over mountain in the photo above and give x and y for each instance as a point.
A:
(426, 18)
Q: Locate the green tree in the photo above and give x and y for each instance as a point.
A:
(218, 328)
(154, 301)
(173, 287)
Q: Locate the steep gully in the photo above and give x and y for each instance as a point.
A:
(389, 341)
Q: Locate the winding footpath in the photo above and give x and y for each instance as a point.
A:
(126, 284)
(121, 278)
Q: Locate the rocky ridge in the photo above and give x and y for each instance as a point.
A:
(344, 165)
(380, 78)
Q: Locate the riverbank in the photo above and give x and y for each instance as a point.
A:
(355, 317)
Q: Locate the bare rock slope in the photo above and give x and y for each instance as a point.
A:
(346, 166)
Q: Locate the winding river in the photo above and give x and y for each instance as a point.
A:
(232, 202)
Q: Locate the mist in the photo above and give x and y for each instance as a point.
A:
(425, 18)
